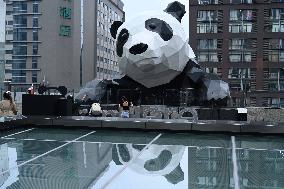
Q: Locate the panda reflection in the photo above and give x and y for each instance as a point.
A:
(156, 160)
(154, 55)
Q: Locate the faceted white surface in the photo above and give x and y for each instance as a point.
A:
(152, 153)
(163, 60)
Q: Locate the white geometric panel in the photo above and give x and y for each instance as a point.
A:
(163, 60)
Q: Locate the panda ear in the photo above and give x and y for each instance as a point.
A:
(176, 9)
(114, 27)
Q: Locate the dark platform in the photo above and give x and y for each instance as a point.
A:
(174, 125)
(46, 105)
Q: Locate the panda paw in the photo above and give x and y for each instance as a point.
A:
(217, 89)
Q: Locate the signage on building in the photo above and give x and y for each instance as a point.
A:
(66, 13)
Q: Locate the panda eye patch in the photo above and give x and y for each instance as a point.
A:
(160, 27)
(121, 40)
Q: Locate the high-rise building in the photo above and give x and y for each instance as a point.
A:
(107, 12)
(66, 42)
(42, 43)
(2, 65)
(2, 20)
(243, 42)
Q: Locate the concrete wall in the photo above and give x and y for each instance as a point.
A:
(267, 115)
(2, 65)
(60, 55)
(89, 41)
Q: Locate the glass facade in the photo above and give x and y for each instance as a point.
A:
(107, 65)
(25, 46)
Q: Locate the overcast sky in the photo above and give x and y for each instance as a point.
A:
(131, 7)
(2, 20)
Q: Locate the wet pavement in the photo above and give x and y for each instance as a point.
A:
(37, 158)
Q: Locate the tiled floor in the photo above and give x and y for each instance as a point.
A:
(59, 158)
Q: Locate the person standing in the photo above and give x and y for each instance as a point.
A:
(7, 105)
(125, 105)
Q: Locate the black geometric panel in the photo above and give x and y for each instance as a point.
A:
(114, 27)
(160, 27)
(121, 40)
(138, 49)
(176, 9)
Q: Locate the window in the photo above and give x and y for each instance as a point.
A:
(19, 49)
(20, 21)
(207, 44)
(235, 57)
(240, 21)
(207, 57)
(35, 35)
(18, 73)
(240, 15)
(276, 56)
(275, 73)
(9, 12)
(8, 51)
(34, 62)
(35, 8)
(240, 27)
(207, 2)
(241, 1)
(19, 64)
(20, 7)
(276, 14)
(35, 49)
(19, 35)
(211, 70)
(207, 27)
(35, 21)
(16, 79)
(273, 86)
(236, 44)
(276, 44)
(34, 76)
(240, 56)
(276, 20)
(239, 73)
(207, 16)
(277, 26)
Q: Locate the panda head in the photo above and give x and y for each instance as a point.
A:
(153, 47)
(96, 107)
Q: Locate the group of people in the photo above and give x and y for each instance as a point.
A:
(124, 106)
(7, 105)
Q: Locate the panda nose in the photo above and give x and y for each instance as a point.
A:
(138, 49)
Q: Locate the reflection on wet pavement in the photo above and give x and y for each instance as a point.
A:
(110, 160)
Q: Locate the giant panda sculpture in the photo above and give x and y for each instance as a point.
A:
(156, 160)
(154, 56)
